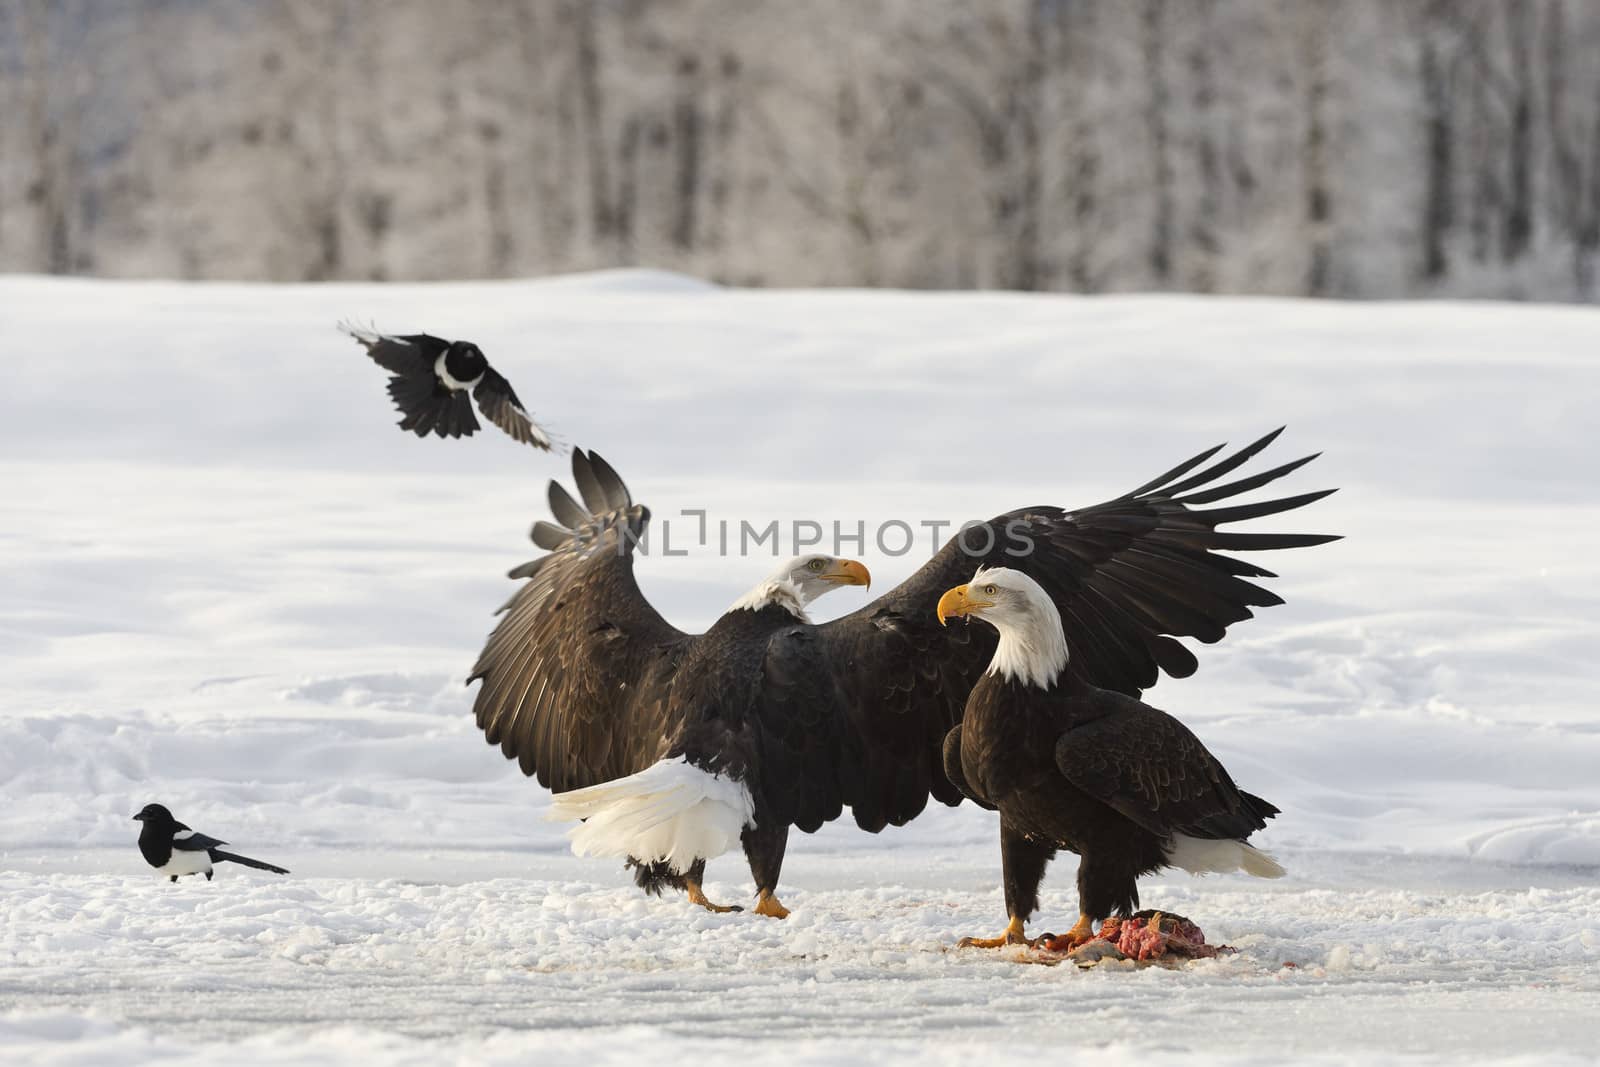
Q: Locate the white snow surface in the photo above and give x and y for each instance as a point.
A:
(232, 586)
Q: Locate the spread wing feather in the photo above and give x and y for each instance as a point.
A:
(403, 354)
(576, 675)
(499, 404)
(1130, 576)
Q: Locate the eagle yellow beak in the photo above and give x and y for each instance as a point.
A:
(847, 572)
(957, 601)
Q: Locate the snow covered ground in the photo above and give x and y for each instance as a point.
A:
(232, 586)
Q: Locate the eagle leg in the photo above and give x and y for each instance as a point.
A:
(767, 904)
(764, 849)
(1023, 861)
(698, 897)
(1013, 935)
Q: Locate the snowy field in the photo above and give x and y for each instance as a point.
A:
(232, 586)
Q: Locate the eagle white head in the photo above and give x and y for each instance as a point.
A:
(801, 580)
(1033, 647)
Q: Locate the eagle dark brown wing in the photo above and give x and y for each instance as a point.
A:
(1153, 769)
(902, 682)
(1129, 577)
(797, 718)
(576, 675)
(957, 774)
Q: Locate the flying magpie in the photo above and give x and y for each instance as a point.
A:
(173, 849)
(429, 380)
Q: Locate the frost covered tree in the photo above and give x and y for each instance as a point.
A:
(1344, 148)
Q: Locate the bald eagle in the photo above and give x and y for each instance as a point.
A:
(1068, 765)
(671, 745)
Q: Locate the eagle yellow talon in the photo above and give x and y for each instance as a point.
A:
(768, 905)
(697, 897)
(1081, 933)
(1013, 935)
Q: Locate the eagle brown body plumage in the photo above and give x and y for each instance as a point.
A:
(1097, 773)
(1126, 786)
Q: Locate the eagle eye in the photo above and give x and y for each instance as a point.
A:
(988, 590)
(815, 565)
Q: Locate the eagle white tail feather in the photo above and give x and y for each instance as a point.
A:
(1199, 855)
(669, 812)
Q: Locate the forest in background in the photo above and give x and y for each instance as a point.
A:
(1349, 148)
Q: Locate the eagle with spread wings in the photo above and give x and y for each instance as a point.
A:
(670, 747)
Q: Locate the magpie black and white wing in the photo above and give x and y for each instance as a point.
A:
(576, 676)
(406, 355)
(187, 840)
(499, 404)
(1130, 577)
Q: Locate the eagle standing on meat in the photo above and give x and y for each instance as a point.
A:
(672, 746)
(1127, 787)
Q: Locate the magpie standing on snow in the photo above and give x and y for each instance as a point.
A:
(173, 849)
(429, 380)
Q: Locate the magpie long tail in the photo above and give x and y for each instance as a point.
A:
(428, 408)
(217, 854)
